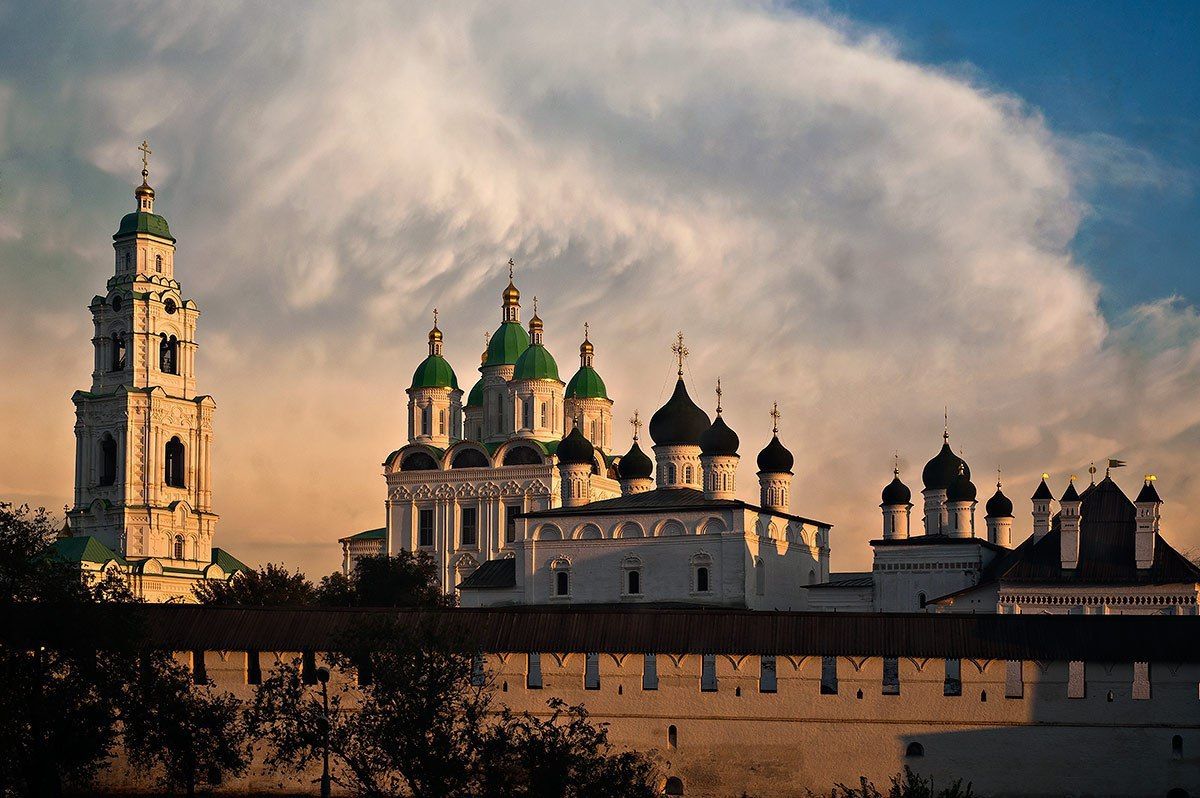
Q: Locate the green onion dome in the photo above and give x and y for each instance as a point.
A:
(142, 222)
(634, 464)
(506, 344)
(896, 492)
(999, 506)
(775, 458)
(679, 422)
(535, 363)
(575, 449)
(434, 372)
(586, 384)
(943, 468)
(475, 397)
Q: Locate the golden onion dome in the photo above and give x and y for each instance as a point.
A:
(511, 295)
(435, 335)
(535, 324)
(586, 348)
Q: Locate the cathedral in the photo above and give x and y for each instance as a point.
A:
(518, 495)
(143, 435)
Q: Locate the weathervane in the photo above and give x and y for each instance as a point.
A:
(775, 414)
(1092, 471)
(636, 423)
(680, 350)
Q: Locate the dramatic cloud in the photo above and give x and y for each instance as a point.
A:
(861, 238)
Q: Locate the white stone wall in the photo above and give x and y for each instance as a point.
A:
(903, 572)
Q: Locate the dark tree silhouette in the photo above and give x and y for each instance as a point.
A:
(191, 733)
(403, 580)
(269, 586)
(905, 784)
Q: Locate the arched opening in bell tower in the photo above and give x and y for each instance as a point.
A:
(108, 461)
(173, 464)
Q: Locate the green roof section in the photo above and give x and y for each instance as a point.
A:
(536, 363)
(84, 548)
(506, 344)
(142, 222)
(475, 397)
(434, 372)
(586, 384)
(229, 564)
(370, 534)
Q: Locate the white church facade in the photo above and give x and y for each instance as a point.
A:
(143, 434)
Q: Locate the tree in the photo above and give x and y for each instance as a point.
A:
(562, 756)
(191, 732)
(270, 586)
(406, 579)
(60, 704)
(411, 726)
(905, 784)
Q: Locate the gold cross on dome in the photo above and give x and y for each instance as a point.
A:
(718, 396)
(775, 414)
(146, 152)
(535, 306)
(585, 328)
(680, 350)
(636, 423)
(435, 317)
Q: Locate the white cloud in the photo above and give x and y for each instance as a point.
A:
(859, 237)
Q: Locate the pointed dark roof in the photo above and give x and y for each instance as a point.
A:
(1108, 524)
(1071, 495)
(492, 574)
(1148, 493)
(1042, 493)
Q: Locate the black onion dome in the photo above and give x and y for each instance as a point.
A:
(999, 506)
(961, 488)
(1071, 495)
(635, 464)
(719, 439)
(943, 469)
(775, 459)
(1043, 492)
(1148, 493)
(896, 492)
(679, 422)
(576, 449)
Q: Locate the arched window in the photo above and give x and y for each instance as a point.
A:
(632, 567)
(921, 601)
(522, 455)
(595, 436)
(168, 354)
(426, 420)
(760, 577)
(158, 263)
(635, 583)
(173, 463)
(1177, 746)
(441, 422)
(673, 740)
(500, 425)
(687, 474)
(179, 547)
(108, 461)
(562, 583)
(914, 749)
(702, 579)
(527, 413)
(671, 473)
(674, 785)
(544, 415)
(469, 458)
(418, 461)
(128, 261)
(118, 352)
(812, 576)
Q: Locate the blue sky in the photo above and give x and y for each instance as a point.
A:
(1129, 70)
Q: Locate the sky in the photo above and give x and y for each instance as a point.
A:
(868, 212)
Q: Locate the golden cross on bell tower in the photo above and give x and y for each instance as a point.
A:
(636, 423)
(775, 414)
(146, 152)
(680, 350)
(718, 396)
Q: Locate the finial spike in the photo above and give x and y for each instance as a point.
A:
(775, 415)
(946, 423)
(718, 396)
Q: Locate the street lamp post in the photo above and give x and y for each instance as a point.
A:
(323, 678)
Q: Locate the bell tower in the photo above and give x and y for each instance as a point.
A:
(142, 434)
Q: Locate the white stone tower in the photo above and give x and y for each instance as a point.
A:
(999, 517)
(634, 469)
(143, 436)
(587, 399)
(1149, 513)
(896, 504)
(1042, 499)
(719, 457)
(676, 428)
(775, 470)
(507, 344)
(434, 398)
